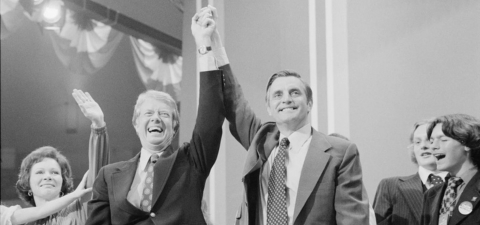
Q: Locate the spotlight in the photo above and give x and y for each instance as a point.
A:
(53, 14)
(52, 11)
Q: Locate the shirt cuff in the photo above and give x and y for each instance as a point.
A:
(206, 62)
(98, 130)
(220, 56)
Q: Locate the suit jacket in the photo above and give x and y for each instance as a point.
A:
(399, 201)
(179, 174)
(331, 189)
(434, 196)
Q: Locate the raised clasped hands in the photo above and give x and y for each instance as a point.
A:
(203, 25)
(89, 108)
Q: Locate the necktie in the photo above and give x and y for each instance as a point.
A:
(450, 197)
(434, 179)
(146, 203)
(277, 192)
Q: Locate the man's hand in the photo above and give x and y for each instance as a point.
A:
(216, 40)
(203, 27)
(89, 107)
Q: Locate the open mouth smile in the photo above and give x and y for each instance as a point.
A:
(288, 109)
(155, 130)
(426, 154)
(439, 156)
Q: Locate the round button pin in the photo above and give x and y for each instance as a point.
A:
(465, 208)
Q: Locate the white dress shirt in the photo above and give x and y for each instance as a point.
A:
(212, 60)
(135, 193)
(297, 151)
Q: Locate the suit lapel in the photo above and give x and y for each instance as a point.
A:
(435, 197)
(122, 181)
(261, 151)
(411, 188)
(471, 191)
(315, 162)
(162, 170)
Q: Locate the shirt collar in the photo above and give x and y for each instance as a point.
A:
(468, 174)
(424, 173)
(144, 158)
(299, 137)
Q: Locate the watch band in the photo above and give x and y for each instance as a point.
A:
(204, 49)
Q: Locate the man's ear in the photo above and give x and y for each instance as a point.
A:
(268, 109)
(467, 149)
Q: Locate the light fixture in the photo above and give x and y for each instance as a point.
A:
(49, 14)
(53, 14)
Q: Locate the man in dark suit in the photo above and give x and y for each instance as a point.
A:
(456, 145)
(163, 185)
(399, 200)
(309, 178)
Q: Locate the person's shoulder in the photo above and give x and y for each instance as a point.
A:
(266, 128)
(434, 190)
(396, 179)
(338, 145)
(115, 165)
(336, 142)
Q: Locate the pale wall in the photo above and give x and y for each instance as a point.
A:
(409, 60)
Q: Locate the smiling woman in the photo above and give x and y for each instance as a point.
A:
(45, 174)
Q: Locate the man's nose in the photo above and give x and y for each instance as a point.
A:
(47, 176)
(286, 98)
(425, 145)
(434, 145)
(155, 117)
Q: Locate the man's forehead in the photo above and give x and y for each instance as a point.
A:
(152, 103)
(289, 82)
(420, 135)
(437, 130)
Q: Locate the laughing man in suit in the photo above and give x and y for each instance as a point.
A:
(321, 177)
(456, 145)
(127, 192)
(399, 200)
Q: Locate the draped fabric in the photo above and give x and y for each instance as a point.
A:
(12, 14)
(84, 51)
(158, 67)
(84, 45)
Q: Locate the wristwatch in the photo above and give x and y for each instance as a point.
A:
(204, 49)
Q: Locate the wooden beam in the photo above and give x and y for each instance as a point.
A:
(125, 24)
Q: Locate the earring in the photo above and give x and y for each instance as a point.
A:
(30, 193)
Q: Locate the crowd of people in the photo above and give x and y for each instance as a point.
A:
(293, 174)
